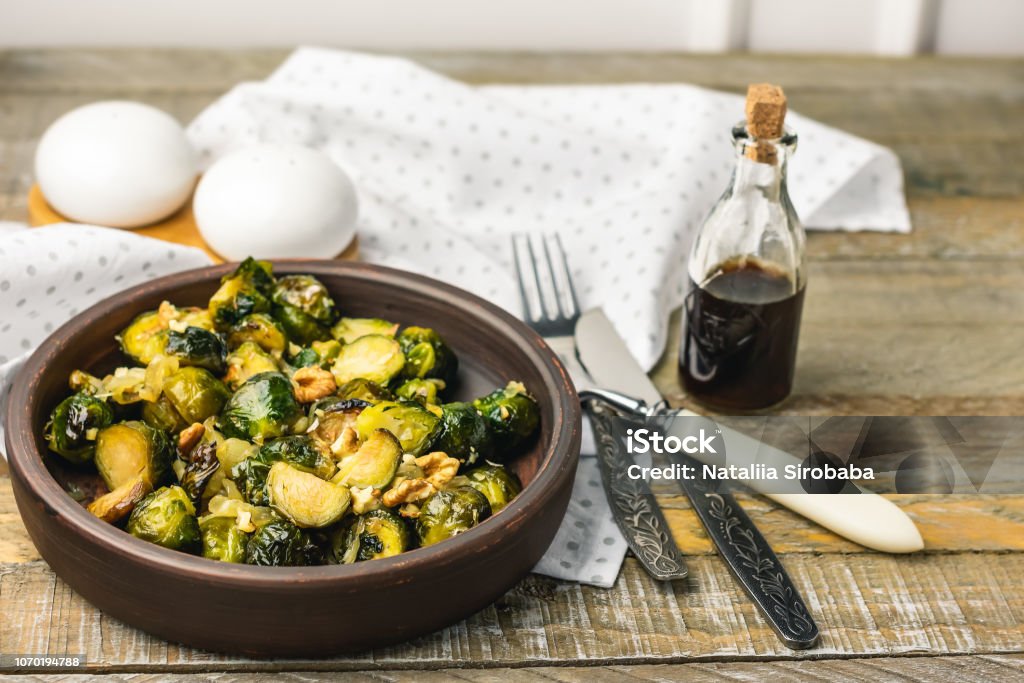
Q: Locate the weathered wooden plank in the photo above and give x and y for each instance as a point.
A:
(15, 545)
(945, 228)
(191, 70)
(866, 604)
(963, 669)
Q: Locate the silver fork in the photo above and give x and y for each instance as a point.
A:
(551, 308)
(549, 300)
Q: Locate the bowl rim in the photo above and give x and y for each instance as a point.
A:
(26, 462)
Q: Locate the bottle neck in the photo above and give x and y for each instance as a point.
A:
(754, 219)
(761, 164)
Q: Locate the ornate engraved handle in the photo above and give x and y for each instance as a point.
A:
(633, 506)
(751, 560)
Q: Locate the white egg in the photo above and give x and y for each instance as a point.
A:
(119, 164)
(276, 201)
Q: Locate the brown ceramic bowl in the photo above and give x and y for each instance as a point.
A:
(300, 611)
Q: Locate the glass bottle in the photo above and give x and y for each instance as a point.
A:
(741, 318)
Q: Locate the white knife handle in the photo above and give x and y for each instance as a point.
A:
(866, 518)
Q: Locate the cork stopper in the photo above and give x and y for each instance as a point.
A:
(766, 118)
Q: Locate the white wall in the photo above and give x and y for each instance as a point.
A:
(895, 27)
(988, 27)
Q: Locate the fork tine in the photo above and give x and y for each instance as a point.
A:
(567, 299)
(528, 312)
(545, 310)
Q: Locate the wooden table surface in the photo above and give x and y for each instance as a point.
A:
(927, 323)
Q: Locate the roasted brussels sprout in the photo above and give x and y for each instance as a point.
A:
(305, 358)
(497, 484)
(413, 425)
(193, 316)
(260, 329)
(247, 361)
(197, 347)
(347, 330)
(262, 408)
(160, 414)
(82, 382)
(166, 517)
(426, 354)
(513, 416)
(245, 291)
(200, 469)
(307, 294)
(282, 544)
(230, 452)
(133, 385)
(145, 337)
(373, 357)
(74, 424)
(326, 351)
(450, 512)
(132, 449)
(378, 533)
(223, 540)
(424, 391)
(301, 328)
(247, 517)
(364, 389)
(304, 498)
(374, 464)
(319, 353)
(328, 419)
(195, 393)
(465, 433)
(119, 503)
(250, 475)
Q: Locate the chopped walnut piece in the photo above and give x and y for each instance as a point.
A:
(438, 467)
(409, 510)
(188, 439)
(347, 443)
(166, 312)
(312, 383)
(408, 491)
(364, 499)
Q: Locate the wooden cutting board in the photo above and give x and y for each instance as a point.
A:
(179, 228)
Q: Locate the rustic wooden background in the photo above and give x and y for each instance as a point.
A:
(928, 323)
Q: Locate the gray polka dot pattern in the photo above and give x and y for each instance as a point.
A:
(625, 174)
(47, 275)
(588, 546)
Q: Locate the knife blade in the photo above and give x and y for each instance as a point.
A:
(868, 519)
(738, 540)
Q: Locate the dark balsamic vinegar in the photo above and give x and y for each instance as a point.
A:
(740, 332)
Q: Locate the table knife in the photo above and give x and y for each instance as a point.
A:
(738, 540)
(867, 519)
